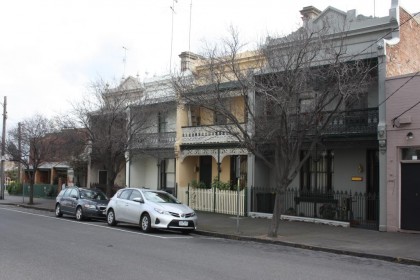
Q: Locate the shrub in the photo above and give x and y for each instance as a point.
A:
(198, 185)
(222, 185)
(14, 188)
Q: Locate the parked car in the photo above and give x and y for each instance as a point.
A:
(151, 209)
(82, 203)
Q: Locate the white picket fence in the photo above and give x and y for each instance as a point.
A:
(204, 200)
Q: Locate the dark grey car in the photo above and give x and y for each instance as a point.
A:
(82, 203)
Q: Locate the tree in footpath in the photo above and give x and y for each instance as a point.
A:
(35, 142)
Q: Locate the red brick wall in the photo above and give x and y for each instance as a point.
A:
(404, 58)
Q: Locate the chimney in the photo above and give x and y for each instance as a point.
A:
(309, 13)
(188, 60)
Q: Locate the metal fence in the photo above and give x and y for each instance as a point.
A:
(40, 190)
(360, 209)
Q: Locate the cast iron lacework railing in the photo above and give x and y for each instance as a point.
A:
(352, 122)
(363, 121)
(156, 140)
(210, 134)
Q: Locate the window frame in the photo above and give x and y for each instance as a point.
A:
(317, 175)
(162, 122)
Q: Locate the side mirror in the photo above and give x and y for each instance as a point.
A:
(138, 199)
(74, 196)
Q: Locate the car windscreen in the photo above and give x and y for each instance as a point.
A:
(93, 194)
(160, 197)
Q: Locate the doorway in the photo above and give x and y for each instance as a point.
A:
(372, 185)
(205, 170)
(410, 196)
(103, 177)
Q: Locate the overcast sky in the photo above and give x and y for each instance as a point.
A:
(51, 50)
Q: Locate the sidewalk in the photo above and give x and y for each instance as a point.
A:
(394, 247)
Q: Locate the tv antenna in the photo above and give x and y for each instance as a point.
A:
(172, 32)
(124, 59)
(189, 31)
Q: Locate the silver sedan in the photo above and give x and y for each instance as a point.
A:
(150, 209)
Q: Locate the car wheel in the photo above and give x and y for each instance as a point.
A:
(110, 218)
(79, 214)
(145, 223)
(58, 212)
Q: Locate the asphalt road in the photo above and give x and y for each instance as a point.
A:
(36, 245)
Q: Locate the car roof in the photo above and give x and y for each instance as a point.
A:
(144, 189)
(82, 189)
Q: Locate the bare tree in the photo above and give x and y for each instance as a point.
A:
(117, 120)
(39, 143)
(292, 88)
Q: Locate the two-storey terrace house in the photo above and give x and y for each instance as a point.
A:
(351, 153)
(208, 150)
(150, 118)
(109, 129)
(152, 156)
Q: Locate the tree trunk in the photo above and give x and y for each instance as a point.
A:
(109, 188)
(278, 203)
(31, 192)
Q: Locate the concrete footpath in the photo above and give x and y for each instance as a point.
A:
(394, 247)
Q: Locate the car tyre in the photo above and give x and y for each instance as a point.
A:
(110, 218)
(145, 223)
(58, 212)
(79, 214)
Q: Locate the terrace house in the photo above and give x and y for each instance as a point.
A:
(351, 156)
(150, 115)
(152, 156)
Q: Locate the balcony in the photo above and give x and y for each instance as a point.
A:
(211, 134)
(354, 122)
(163, 140)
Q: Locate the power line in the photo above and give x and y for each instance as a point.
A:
(417, 103)
(406, 82)
(383, 37)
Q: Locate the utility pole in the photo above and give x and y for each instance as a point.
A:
(19, 164)
(20, 150)
(3, 147)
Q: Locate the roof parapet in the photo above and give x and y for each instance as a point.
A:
(309, 13)
(188, 60)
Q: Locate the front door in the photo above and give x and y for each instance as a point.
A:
(372, 185)
(205, 170)
(410, 196)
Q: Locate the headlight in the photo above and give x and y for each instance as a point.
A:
(192, 214)
(89, 206)
(160, 211)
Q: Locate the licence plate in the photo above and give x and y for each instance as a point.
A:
(183, 223)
